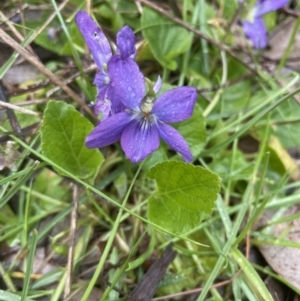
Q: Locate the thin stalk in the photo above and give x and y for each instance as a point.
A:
(219, 93)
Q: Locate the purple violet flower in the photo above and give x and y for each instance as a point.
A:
(107, 101)
(254, 28)
(145, 118)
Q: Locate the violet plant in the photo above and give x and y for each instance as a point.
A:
(253, 25)
(132, 113)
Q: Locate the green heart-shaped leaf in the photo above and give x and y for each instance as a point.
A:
(63, 134)
(185, 195)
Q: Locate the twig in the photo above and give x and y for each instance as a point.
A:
(10, 113)
(72, 242)
(33, 102)
(17, 108)
(45, 83)
(71, 78)
(31, 88)
(290, 12)
(35, 62)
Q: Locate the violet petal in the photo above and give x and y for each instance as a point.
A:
(125, 43)
(256, 32)
(174, 139)
(157, 85)
(175, 105)
(116, 104)
(101, 81)
(127, 81)
(267, 6)
(108, 131)
(103, 106)
(94, 37)
(139, 139)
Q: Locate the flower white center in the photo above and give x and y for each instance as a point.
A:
(147, 104)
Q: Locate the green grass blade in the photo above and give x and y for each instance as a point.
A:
(20, 182)
(253, 279)
(7, 296)
(32, 247)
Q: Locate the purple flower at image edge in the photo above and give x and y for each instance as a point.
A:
(142, 123)
(107, 102)
(255, 30)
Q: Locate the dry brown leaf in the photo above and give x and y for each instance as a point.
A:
(285, 260)
(279, 42)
